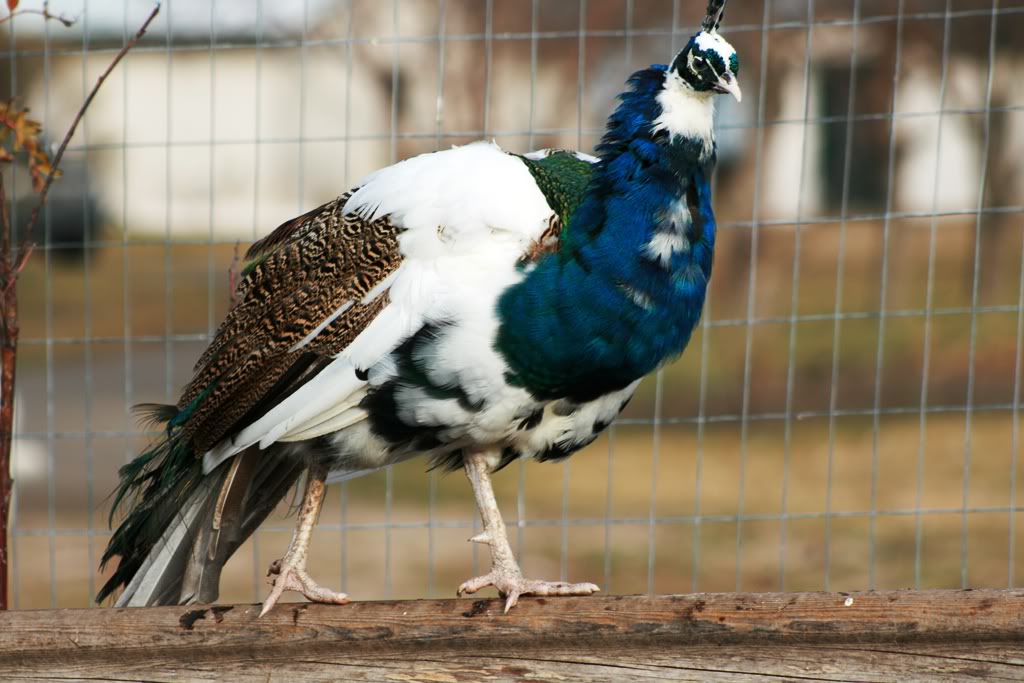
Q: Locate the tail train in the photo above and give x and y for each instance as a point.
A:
(182, 525)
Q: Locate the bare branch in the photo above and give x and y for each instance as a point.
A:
(45, 13)
(25, 250)
(7, 274)
(8, 368)
(10, 266)
(5, 229)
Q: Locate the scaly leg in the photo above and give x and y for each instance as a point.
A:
(290, 572)
(505, 574)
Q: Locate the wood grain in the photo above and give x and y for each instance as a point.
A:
(876, 636)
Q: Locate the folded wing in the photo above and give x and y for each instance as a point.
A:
(332, 293)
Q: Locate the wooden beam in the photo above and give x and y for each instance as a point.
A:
(593, 633)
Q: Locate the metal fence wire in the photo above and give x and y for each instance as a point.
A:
(846, 417)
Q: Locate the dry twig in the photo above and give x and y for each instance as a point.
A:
(45, 13)
(26, 243)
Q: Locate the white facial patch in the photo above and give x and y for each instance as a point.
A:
(686, 112)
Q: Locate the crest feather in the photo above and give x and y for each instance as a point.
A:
(716, 10)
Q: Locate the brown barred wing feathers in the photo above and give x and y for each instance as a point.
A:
(308, 270)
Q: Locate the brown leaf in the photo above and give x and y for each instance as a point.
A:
(26, 137)
(26, 131)
(39, 171)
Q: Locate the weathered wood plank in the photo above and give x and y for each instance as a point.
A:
(668, 662)
(901, 635)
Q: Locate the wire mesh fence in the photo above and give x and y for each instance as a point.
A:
(846, 417)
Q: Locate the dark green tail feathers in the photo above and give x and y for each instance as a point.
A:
(154, 487)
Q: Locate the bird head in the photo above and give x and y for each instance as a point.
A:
(708, 64)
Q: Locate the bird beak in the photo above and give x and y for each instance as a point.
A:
(728, 84)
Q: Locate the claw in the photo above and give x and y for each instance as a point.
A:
(290, 571)
(291, 578)
(482, 537)
(505, 574)
(512, 585)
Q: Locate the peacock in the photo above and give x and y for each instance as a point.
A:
(470, 306)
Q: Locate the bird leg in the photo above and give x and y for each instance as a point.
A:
(290, 572)
(505, 574)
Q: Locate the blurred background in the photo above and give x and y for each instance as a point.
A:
(846, 418)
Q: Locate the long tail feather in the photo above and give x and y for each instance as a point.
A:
(182, 525)
(157, 485)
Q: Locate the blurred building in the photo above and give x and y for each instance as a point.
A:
(232, 117)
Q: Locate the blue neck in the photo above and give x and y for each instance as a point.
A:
(609, 306)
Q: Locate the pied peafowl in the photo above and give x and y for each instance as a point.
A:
(470, 306)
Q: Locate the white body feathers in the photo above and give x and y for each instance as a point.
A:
(468, 215)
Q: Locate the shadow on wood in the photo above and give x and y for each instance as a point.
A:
(901, 635)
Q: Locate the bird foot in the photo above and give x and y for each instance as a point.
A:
(512, 584)
(291, 578)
